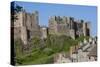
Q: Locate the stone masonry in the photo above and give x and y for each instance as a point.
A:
(68, 26)
(26, 27)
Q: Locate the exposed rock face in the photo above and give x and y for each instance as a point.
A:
(83, 52)
(68, 26)
(26, 27)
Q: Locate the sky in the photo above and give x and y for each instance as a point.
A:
(86, 13)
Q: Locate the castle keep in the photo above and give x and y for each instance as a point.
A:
(68, 26)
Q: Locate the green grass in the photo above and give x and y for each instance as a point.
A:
(42, 60)
(81, 38)
(52, 45)
(35, 58)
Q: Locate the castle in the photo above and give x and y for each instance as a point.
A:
(68, 26)
(27, 26)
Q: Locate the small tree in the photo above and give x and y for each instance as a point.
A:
(14, 10)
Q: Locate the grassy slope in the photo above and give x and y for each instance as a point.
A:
(53, 45)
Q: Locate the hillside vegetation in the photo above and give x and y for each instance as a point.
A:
(43, 51)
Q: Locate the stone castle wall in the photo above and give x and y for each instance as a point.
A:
(68, 26)
(26, 27)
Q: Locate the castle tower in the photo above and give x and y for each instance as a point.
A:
(86, 29)
(71, 22)
(44, 32)
(26, 27)
(19, 27)
(52, 25)
(34, 25)
(23, 31)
